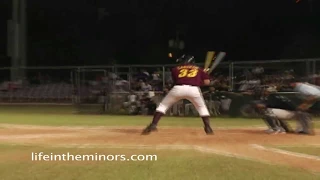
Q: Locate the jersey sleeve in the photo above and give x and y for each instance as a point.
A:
(203, 74)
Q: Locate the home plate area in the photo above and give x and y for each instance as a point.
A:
(244, 143)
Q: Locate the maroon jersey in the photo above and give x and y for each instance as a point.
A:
(188, 74)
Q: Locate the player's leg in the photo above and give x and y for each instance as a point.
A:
(282, 116)
(303, 118)
(171, 98)
(285, 125)
(196, 98)
(272, 120)
(306, 123)
(266, 115)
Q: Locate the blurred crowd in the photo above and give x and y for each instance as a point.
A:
(143, 80)
(142, 89)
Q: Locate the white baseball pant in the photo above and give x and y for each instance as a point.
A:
(179, 92)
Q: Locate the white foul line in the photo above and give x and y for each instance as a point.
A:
(301, 145)
(300, 155)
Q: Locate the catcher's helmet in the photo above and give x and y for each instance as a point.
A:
(186, 59)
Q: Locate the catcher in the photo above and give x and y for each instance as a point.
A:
(187, 78)
(277, 109)
(274, 109)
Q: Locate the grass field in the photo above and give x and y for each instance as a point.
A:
(183, 150)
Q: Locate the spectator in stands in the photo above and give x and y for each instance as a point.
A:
(212, 101)
(223, 85)
(165, 91)
(169, 86)
(112, 76)
(143, 75)
(146, 87)
(132, 104)
(216, 81)
(145, 72)
(168, 77)
(141, 84)
(156, 76)
(135, 85)
(157, 86)
(249, 83)
(148, 106)
(220, 83)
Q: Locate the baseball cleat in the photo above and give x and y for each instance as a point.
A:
(277, 131)
(303, 133)
(311, 133)
(208, 130)
(282, 131)
(150, 128)
(299, 129)
(269, 131)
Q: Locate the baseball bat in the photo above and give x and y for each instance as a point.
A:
(209, 58)
(217, 61)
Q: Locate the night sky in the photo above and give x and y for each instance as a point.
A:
(96, 32)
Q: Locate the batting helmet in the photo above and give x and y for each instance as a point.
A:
(186, 59)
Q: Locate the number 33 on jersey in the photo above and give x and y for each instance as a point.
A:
(188, 73)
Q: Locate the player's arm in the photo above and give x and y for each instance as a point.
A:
(206, 82)
(205, 77)
(307, 103)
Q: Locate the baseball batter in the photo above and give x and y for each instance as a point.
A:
(187, 78)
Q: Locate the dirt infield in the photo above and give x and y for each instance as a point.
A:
(244, 143)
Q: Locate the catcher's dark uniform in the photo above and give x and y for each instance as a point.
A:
(266, 101)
